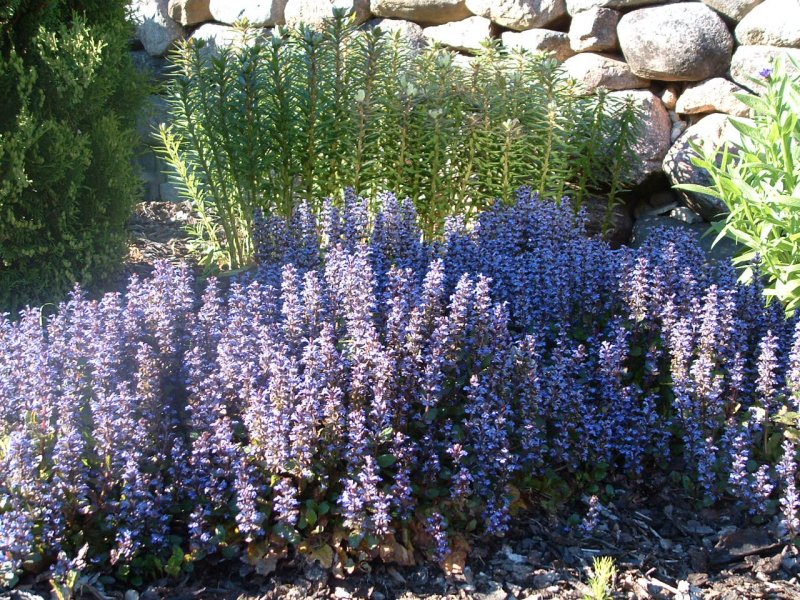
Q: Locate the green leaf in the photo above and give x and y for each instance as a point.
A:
(322, 554)
(386, 460)
(287, 532)
(175, 562)
(700, 189)
(311, 516)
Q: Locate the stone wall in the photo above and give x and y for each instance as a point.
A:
(682, 62)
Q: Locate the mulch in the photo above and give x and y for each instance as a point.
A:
(663, 547)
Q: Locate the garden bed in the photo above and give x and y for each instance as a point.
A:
(493, 437)
(664, 546)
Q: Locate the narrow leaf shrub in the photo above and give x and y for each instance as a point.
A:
(302, 114)
(758, 179)
(366, 394)
(67, 183)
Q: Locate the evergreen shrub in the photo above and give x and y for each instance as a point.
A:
(67, 182)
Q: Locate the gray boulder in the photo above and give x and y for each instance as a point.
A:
(594, 30)
(539, 40)
(594, 71)
(678, 127)
(260, 13)
(409, 31)
(215, 37)
(466, 63)
(576, 6)
(670, 96)
(677, 42)
(654, 141)
(429, 12)
(733, 9)
(154, 27)
(710, 133)
(771, 23)
(712, 95)
(519, 14)
(465, 35)
(749, 61)
(315, 12)
(189, 12)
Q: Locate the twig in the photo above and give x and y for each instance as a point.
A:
(666, 586)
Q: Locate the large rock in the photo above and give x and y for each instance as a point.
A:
(576, 6)
(215, 37)
(189, 12)
(430, 12)
(465, 36)
(733, 9)
(539, 40)
(748, 62)
(519, 14)
(653, 141)
(599, 70)
(316, 12)
(594, 30)
(260, 13)
(712, 95)
(772, 23)
(670, 96)
(709, 133)
(677, 42)
(466, 63)
(154, 27)
(408, 30)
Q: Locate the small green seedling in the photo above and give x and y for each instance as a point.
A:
(602, 581)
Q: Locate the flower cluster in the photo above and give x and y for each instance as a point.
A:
(364, 382)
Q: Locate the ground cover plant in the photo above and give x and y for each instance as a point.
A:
(368, 395)
(300, 114)
(758, 179)
(67, 181)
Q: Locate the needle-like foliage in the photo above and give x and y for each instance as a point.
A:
(301, 114)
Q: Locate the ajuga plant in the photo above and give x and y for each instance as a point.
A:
(67, 182)
(368, 395)
(299, 115)
(758, 180)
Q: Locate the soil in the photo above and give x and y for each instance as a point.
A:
(664, 547)
(158, 232)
